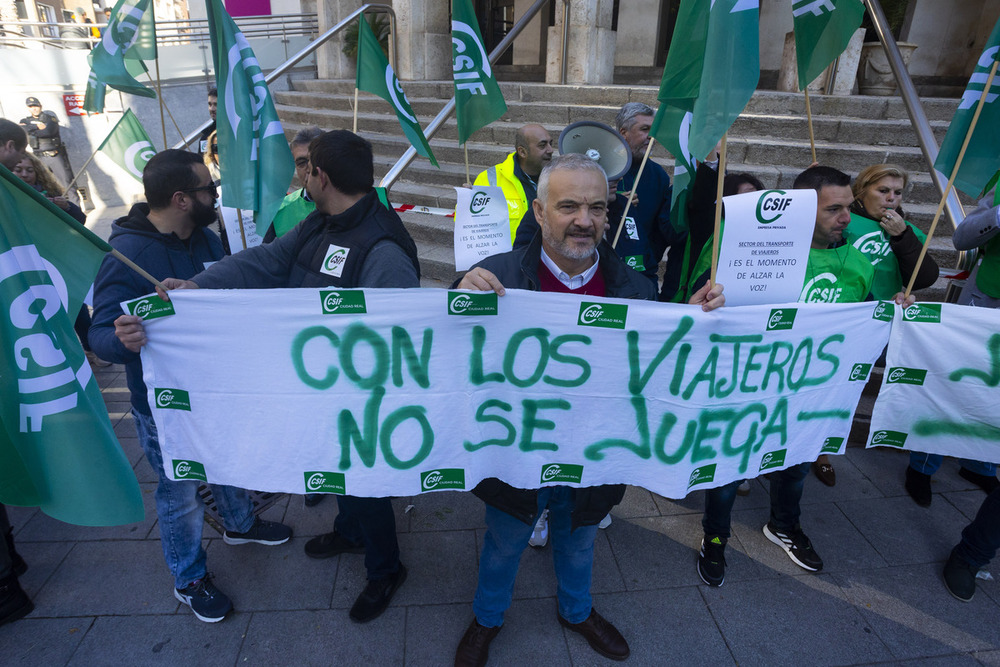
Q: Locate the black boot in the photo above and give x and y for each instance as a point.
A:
(16, 562)
(14, 603)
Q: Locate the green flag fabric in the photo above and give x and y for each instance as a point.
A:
(256, 163)
(57, 447)
(822, 31)
(982, 158)
(478, 100)
(124, 39)
(129, 145)
(375, 76)
(93, 101)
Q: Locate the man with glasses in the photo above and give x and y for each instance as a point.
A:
(168, 236)
(297, 205)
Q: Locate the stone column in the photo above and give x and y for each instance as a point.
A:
(591, 52)
(640, 20)
(331, 63)
(423, 40)
(529, 47)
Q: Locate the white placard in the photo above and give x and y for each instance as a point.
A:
(482, 225)
(765, 248)
(233, 229)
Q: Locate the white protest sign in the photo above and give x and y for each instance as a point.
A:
(765, 248)
(482, 225)
(396, 392)
(941, 386)
(229, 221)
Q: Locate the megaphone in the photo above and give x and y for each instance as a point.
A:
(599, 142)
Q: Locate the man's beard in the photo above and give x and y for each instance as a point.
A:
(202, 215)
(566, 248)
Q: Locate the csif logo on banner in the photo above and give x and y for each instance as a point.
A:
(562, 473)
(606, 315)
(781, 319)
(772, 205)
(472, 303)
(889, 438)
(884, 311)
(149, 307)
(341, 302)
(860, 372)
(334, 260)
(34, 349)
(479, 202)
(319, 481)
(774, 459)
(923, 312)
(901, 375)
(831, 445)
(471, 65)
(636, 262)
(702, 475)
(188, 469)
(442, 478)
(172, 399)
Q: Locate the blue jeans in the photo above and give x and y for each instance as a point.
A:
(929, 464)
(181, 512)
(981, 538)
(370, 521)
(506, 538)
(786, 492)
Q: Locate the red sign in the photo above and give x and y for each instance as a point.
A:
(74, 105)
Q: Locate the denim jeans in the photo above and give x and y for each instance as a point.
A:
(370, 521)
(981, 538)
(506, 538)
(786, 492)
(181, 511)
(929, 464)
(5, 570)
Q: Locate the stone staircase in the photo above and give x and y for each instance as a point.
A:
(769, 140)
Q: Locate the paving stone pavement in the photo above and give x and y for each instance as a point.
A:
(103, 595)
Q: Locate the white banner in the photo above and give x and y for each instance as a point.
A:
(395, 392)
(941, 389)
(765, 247)
(482, 225)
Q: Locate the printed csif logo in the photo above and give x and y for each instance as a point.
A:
(136, 157)
(901, 375)
(186, 469)
(774, 459)
(471, 64)
(883, 311)
(150, 307)
(923, 312)
(472, 303)
(334, 261)
(479, 202)
(607, 315)
(636, 262)
(831, 445)
(772, 205)
(343, 301)
(781, 319)
(890, 438)
(860, 372)
(172, 399)
(561, 472)
(442, 478)
(702, 475)
(318, 481)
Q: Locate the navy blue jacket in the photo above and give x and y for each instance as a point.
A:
(163, 256)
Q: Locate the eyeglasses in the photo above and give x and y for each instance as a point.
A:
(302, 162)
(212, 188)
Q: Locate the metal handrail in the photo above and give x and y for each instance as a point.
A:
(311, 47)
(408, 156)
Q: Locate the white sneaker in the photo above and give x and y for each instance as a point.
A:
(540, 535)
(605, 522)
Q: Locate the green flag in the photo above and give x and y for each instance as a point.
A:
(129, 145)
(982, 157)
(256, 163)
(375, 76)
(121, 41)
(478, 100)
(57, 447)
(822, 31)
(93, 101)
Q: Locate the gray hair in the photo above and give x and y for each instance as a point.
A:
(567, 162)
(626, 115)
(305, 136)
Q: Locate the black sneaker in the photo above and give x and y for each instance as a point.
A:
(959, 578)
(207, 602)
(268, 533)
(797, 546)
(712, 560)
(918, 485)
(987, 483)
(377, 596)
(332, 544)
(17, 563)
(474, 648)
(14, 602)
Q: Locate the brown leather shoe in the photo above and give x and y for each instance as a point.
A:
(825, 473)
(601, 635)
(474, 649)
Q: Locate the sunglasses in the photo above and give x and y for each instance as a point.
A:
(211, 187)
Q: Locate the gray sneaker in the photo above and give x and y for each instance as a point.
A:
(268, 533)
(207, 602)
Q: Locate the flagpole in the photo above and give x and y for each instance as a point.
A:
(167, 109)
(355, 110)
(159, 96)
(809, 120)
(239, 221)
(951, 181)
(718, 208)
(138, 269)
(628, 204)
(79, 172)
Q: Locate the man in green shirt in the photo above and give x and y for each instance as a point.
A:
(297, 205)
